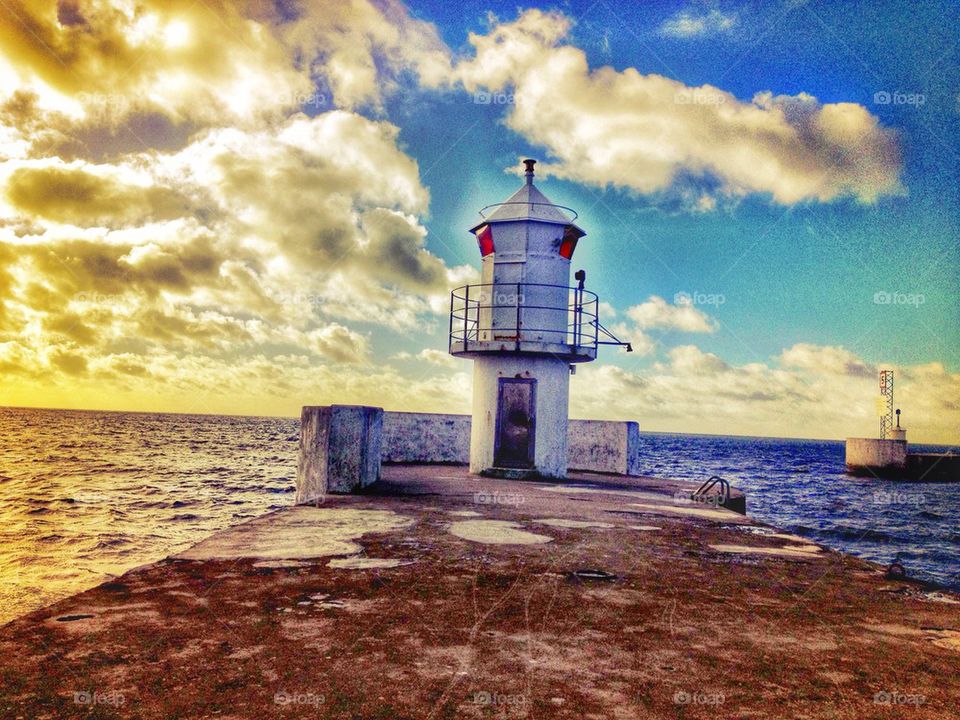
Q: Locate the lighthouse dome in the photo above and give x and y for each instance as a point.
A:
(528, 203)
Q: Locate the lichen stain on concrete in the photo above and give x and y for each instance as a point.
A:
(812, 641)
(786, 551)
(297, 533)
(791, 538)
(279, 564)
(946, 638)
(767, 532)
(496, 532)
(564, 523)
(366, 563)
(727, 515)
(314, 630)
(940, 597)
(94, 618)
(587, 489)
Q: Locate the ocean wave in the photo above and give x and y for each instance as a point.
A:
(111, 542)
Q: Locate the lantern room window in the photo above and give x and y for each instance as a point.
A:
(569, 241)
(485, 240)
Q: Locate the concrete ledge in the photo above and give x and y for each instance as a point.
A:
(593, 445)
(426, 438)
(604, 446)
(871, 456)
(340, 449)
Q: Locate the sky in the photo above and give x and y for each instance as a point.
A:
(246, 207)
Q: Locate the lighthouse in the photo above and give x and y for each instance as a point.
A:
(524, 326)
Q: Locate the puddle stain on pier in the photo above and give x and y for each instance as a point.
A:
(366, 563)
(496, 532)
(573, 524)
(298, 533)
(786, 551)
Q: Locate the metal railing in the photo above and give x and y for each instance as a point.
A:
(573, 212)
(702, 492)
(500, 313)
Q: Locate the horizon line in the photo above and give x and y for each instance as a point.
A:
(294, 417)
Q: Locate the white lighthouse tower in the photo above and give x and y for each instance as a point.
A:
(523, 326)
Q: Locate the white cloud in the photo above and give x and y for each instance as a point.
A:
(241, 240)
(165, 198)
(200, 65)
(689, 23)
(691, 360)
(808, 391)
(360, 47)
(651, 134)
(826, 359)
(658, 313)
(433, 356)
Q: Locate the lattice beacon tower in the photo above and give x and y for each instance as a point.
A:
(523, 326)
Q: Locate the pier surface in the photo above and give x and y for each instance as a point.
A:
(440, 595)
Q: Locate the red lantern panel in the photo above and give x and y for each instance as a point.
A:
(569, 242)
(485, 240)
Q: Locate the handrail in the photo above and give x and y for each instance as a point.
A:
(709, 483)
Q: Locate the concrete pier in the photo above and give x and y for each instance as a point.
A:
(433, 596)
(933, 467)
(892, 459)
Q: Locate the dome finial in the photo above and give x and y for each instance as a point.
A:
(528, 163)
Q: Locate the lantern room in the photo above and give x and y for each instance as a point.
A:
(524, 296)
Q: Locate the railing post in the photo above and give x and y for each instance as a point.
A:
(596, 321)
(577, 315)
(450, 328)
(466, 313)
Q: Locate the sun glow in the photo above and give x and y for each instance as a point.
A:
(176, 34)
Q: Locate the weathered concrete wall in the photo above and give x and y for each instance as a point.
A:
(426, 438)
(604, 446)
(340, 450)
(594, 445)
(871, 456)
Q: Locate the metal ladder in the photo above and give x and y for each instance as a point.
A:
(700, 494)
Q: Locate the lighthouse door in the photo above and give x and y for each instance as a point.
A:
(516, 423)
